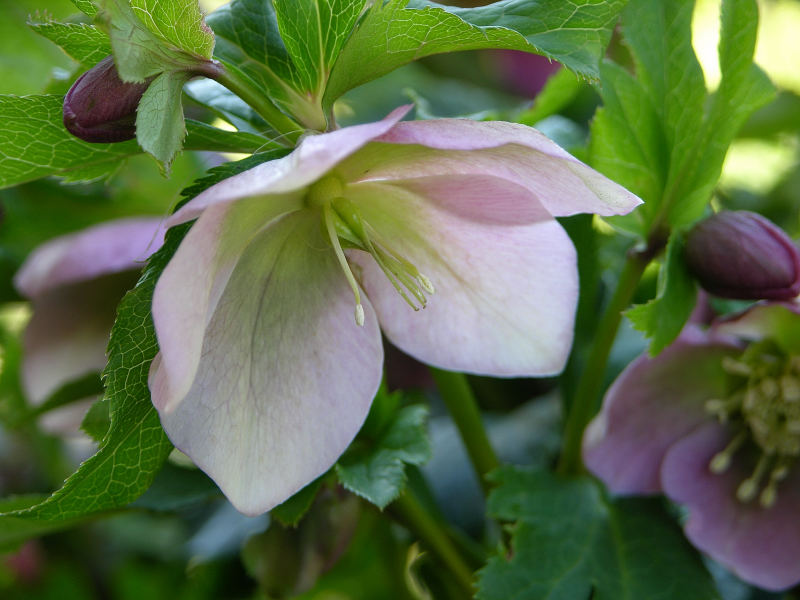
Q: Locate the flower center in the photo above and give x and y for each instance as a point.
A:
(766, 407)
(346, 228)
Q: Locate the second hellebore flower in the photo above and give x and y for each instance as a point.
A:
(713, 422)
(267, 316)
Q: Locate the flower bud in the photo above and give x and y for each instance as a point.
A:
(100, 107)
(742, 255)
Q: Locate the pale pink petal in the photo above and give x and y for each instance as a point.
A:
(286, 376)
(111, 247)
(505, 294)
(654, 402)
(67, 335)
(761, 545)
(315, 156)
(190, 286)
(559, 181)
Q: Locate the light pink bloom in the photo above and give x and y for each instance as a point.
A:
(267, 316)
(696, 421)
(74, 283)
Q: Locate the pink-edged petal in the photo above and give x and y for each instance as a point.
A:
(315, 156)
(505, 294)
(761, 545)
(654, 402)
(779, 321)
(559, 181)
(286, 377)
(190, 286)
(111, 247)
(67, 335)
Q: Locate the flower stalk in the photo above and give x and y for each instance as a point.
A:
(585, 402)
(463, 408)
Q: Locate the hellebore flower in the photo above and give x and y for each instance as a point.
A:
(74, 283)
(740, 254)
(713, 422)
(100, 107)
(267, 316)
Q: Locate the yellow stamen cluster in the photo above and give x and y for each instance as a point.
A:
(346, 228)
(766, 408)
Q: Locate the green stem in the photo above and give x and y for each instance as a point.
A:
(584, 404)
(463, 408)
(434, 537)
(288, 129)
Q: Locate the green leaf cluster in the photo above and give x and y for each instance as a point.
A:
(568, 541)
(374, 467)
(661, 135)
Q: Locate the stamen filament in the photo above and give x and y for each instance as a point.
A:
(722, 459)
(330, 226)
(749, 487)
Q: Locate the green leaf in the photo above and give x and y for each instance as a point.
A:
(86, 6)
(314, 32)
(78, 389)
(570, 542)
(557, 93)
(663, 318)
(658, 133)
(97, 420)
(292, 510)
(34, 143)
(84, 43)
(159, 119)
(392, 34)
(250, 47)
(135, 447)
(152, 36)
(375, 468)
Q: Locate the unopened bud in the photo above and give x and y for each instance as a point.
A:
(100, 107)
(742, 255)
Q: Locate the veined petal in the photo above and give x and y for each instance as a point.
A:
(653, 403)
(314, 157)
(761, 545)
(559, 181)
(285, 378)
(112, 247)
(188, 290)
(505, 294)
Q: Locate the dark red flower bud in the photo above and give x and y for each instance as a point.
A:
(100, 107)
(742, 255)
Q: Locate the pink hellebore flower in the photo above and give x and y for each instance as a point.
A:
(713, 422)
(74, 283)
(267, 316)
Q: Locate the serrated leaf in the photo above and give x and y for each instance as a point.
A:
(658, 134)
(153, 36)
(570, 542)
(314, 32)
(663, 317)
(86, 6)
(159, 119)
(135, 447)
(84, 43)
(396, 32)
(34, 143)
(249, 45)
(376, 470)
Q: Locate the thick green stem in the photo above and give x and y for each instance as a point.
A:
(463, 408)
(288, 129)
(430, 532)
(584, 404)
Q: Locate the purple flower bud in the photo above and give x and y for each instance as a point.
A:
(742, 255)
(100, 107)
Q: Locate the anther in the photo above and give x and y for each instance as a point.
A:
(722, 459)
(749, 487)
